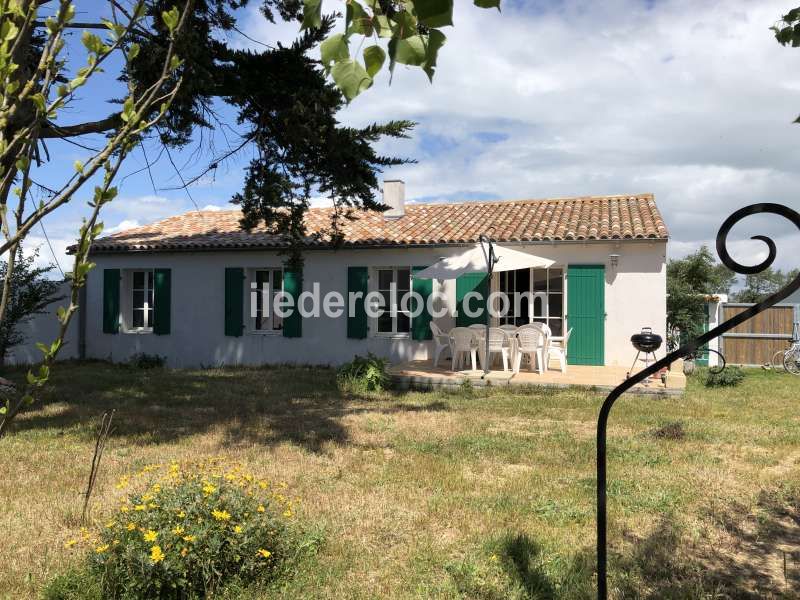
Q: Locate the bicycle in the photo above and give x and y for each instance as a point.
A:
(788, 360)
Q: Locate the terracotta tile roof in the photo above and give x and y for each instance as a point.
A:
(586, 218)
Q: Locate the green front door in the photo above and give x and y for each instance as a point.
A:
(586, 314)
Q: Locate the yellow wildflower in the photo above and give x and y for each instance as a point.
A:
(110, 524)
(237, 529)
(181, 514)
(123, 508)
(130, 526)
(264, 553)
(263, 485)
(156, 555)
(147, 497)
(287, 513)
(70, 543)
(184, 552)
(140, 507)
(151, 505)
(261, 508)
(178, 530)
(188, 538)
(115, 542)
(221, 515)
(209, 489)
(156, 488)
(150, 536)
(101, 549)
(493, 558)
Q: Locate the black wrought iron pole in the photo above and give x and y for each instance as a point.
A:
(686, 349)
(491, 259)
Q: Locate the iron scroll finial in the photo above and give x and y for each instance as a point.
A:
(686, 349)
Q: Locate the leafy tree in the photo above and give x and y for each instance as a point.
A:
(787, 32)
(760, 285)
(31, 292)
(40, 81)
(689, 281)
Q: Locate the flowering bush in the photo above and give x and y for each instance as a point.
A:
(187, 533)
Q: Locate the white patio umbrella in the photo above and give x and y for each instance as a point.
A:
(484, 257)
(474, 260)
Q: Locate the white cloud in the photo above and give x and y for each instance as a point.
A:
(215, 207)
(122, 226)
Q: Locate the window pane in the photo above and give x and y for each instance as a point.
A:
(150, 317)
(556, 326)
(556, 305)
(138, 318)
(540, 280)
(150, 297)
(138, 279)
(150, 279)
(385, 323)
(262, 278)
(277, 279)
(138, 299)
(277, 322)
(403, 323)
(387, 304)
(556, 277)
(385, 277)
(403, 279)
(538, 307)
(523, 280)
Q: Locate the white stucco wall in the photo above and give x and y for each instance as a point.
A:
(44, 328)
(635, 297)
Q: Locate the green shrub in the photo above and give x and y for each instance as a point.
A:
(189, 534)
(728, 377)
(364, 373)
(143, 360)
(75, 584)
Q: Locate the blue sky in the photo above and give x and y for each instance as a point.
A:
(691, 101)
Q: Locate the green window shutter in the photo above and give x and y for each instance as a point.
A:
(111, 300)
(421, 324)
(293, 286)
(162, 298)
(357, 281)
(586, 314)
(472, 282)
(234, 301)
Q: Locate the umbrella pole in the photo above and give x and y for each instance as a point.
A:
(490, 260)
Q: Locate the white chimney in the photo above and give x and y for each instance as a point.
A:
(394, 196)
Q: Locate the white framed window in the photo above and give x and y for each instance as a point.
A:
(550, 282)
(389, 321)
(268, 283)
(141, 289)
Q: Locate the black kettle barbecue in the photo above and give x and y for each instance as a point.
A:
(647, 342)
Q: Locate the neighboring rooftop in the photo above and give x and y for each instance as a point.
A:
(563, 219)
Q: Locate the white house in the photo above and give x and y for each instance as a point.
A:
(181, 287)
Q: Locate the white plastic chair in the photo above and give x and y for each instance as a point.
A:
(476, 326)
(509, 328)
(462, 341)
(558, 349)
(530, 342)
(498, 344)
(441, 342)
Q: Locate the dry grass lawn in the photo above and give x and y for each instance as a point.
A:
(472, 494)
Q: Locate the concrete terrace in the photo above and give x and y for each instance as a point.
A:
(421, 374)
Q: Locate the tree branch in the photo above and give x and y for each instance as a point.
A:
(51, 130)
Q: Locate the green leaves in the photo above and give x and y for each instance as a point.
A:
(374, 57)
(435, 13)
(127, 109)
(171, 19)
(351, 78)
(334, 49)
(312, 14)
(412, 28)
(92, 42)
